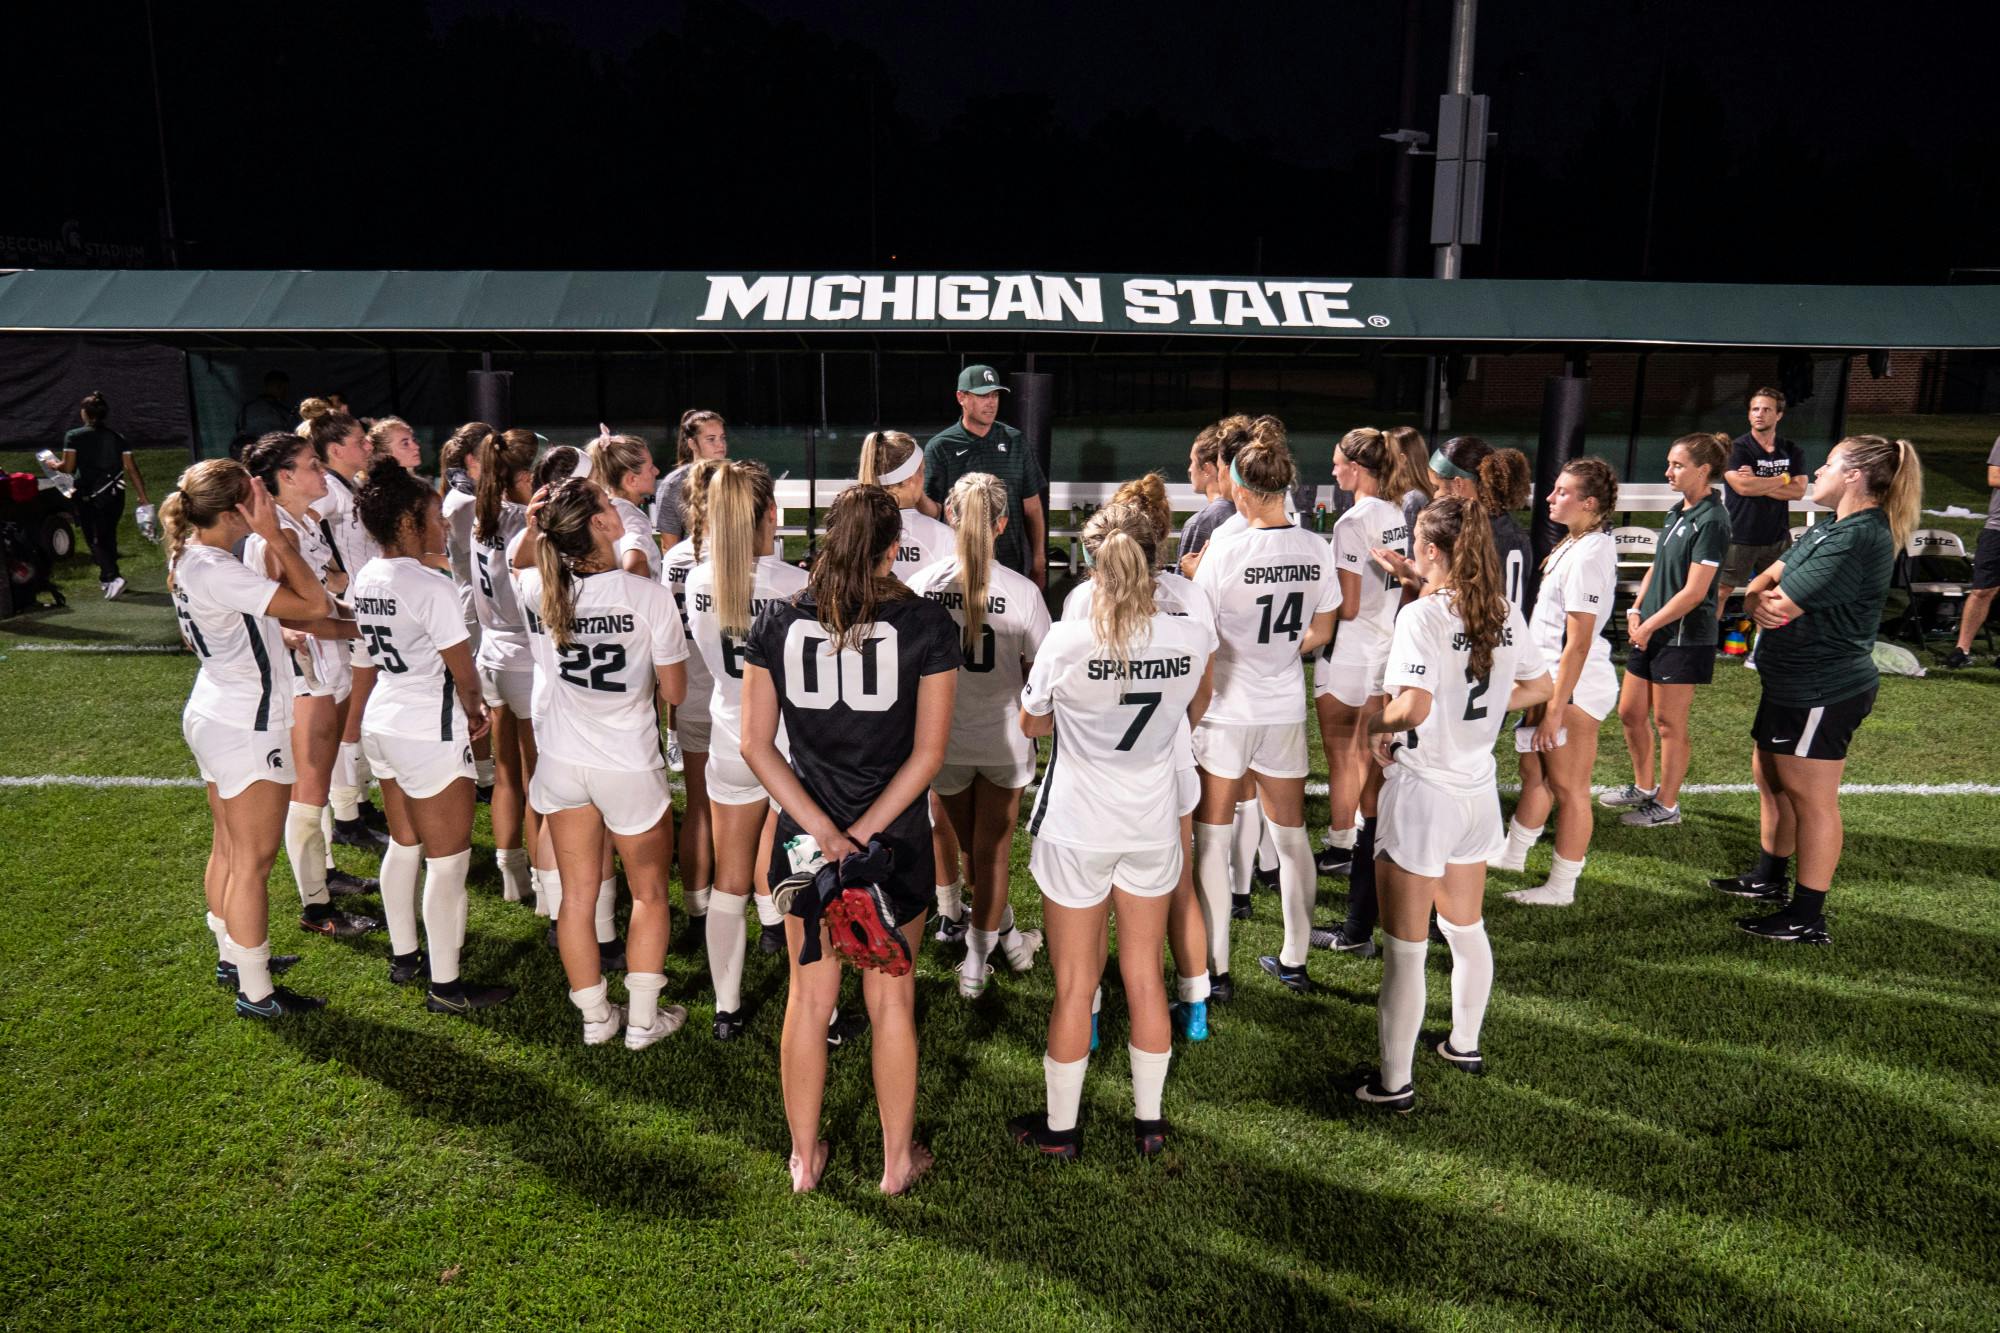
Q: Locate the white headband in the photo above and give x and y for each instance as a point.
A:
(582, 468)
(904, 470)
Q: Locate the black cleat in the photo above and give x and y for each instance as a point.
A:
(325, 919)
(1033, 1131)
(611, 955)
(1293, 978)
(1745, 885)
(1472, 1062)
(771, 939)
(280, 1003)
(950, 930)
(1956, 658)
(729, 1024)
(483, 795)
(407, 967)
(692, 934)
(550, 938)
(372, 817)
(1266, 880)
(846, 1026)
(1781, 928)
(358, 833)
(280, 963)
(1239, 907)
(456, 997)
(1337, 939)
(1372, 1093)
(1150, 1137)
(340, 884)
(1334, 862)
(1221, 990)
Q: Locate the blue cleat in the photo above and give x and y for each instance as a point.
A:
(1191, 1020)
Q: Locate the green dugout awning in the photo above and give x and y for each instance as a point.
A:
(455, 305)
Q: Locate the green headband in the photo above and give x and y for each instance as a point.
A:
(1444, 467)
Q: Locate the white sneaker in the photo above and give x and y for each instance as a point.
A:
(665, 1024)
(113, 589)
(1543, 896)
(1020, 947)
(674, 760)
(596, 1034)
(970, 986)
(1625, 797)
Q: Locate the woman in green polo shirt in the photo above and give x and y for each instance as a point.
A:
(1820, 608)
(1673, 633)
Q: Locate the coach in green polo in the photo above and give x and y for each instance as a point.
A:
(979, 442)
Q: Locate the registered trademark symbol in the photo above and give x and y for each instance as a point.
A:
(1378, 321)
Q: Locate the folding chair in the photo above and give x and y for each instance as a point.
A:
(1931, 553)
(1636, 547)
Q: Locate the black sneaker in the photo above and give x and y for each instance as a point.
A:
(1293, 978)
(372, 817)
(729, 1024)
(280, 1003)
(1033, 1131)
(950, 930)
(1221, 990)
(1149, 1136)
(1472, 1062)
(340, 884)
(846, 1026)
(691, 935)
(611, 955)
(1239, 907)
(1781, 928)
(456, 997)
(280, 963)
(550, 938)
(1745, 885)
(1334, 862)
(1956, 658)
(1337, 939)
(407, 967)
(358, 833)
(483, 795)
(1266, 880)
(326, 919)
(1372, 1093)
(771, 939)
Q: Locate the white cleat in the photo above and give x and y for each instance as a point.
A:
(114, 589)
(971, 986)
(665, 1024)
(1020, 947)
(596, 1034)
(1543, 896)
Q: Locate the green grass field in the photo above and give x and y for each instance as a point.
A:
(1683, 1127)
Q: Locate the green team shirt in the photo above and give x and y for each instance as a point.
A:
(1838, 573)
(955, 451)
(1690, 537)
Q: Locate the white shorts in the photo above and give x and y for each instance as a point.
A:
(952, 779)
(324, 670)
(1229, 752)
(1351, 675)
(234, 757)
(422, 768)
(1597, 690)
(693, 726)
(1072, 877)
(507, 689)
(1187, 785)
(1423, 828)
(630, 802)
(730, 781)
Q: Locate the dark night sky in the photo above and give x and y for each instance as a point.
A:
(1833, 142)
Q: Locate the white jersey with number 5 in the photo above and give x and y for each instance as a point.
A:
(1112, 782)
(1453, 748)
(503, 635)
(599, 711)
(771, 581)
(1267, 584)
(985, 727)
(408, 615)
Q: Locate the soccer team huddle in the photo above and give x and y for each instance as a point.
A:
(855, 737)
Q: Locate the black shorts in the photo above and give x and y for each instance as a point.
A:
(912, 889)
(1811, 733)
(1666, 664)
(1986, 559)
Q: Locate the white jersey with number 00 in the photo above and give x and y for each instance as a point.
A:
(772, 580)
(408, 616)
(1453, 748)
(598, 709)
(1267, 584)
(985, 723)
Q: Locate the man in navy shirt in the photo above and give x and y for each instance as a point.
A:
(1764, 474)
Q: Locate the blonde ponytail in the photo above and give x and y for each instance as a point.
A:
(884, 451)
(1121, 605)
(975, 507)
(173, 520)
(1895, 478)
(563, 522)
(202, 496)
(739, 495)
(614, 458)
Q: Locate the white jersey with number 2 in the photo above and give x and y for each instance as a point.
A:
(1452, 749)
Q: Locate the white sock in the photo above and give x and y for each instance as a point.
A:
(1471, 981)
(344, 798)
(1065, 1090)
(1267, 845)
(1520, 838)
(326, 832)
(1298, 884)
(1400, 1008)
(253, 968)
(1560, 891)
(513, 863)
(482, 772)
(220, 930)
(607, 910)
(694, 902)
(591, 1001)
(727, 943)
(978, 948)
(400, 865)
(1246, 832)
(364, 775)
(552, 891)
(1149, 1080)
(1342, 838)
(1212, 880)
(642, 998)
(305, 848)
(445, 907)
(951, 899)
(1191, 990)
(767, 911)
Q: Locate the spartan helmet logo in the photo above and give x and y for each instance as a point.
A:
(467, 756)
(991, 378)
(274, 759)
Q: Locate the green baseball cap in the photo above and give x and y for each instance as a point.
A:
(980, 380)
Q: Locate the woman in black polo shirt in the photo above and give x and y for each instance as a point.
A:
(102, 462)
(1820, 608)
(1673, 634)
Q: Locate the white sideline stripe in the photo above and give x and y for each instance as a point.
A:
(80, 780)
(97, 648)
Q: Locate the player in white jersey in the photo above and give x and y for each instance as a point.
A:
(1558, 742)
(1187, 932)
(458, 462)
(893, 460)
(613, 645)
(343, 448)
(1459, 663)
(691, 723)
(424, 710)
(623, 468)
(238, 716)
(724, 595)
(1347, 679)
(318, 674)
(1275, 595)
(1113, 688)
(988, 762)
